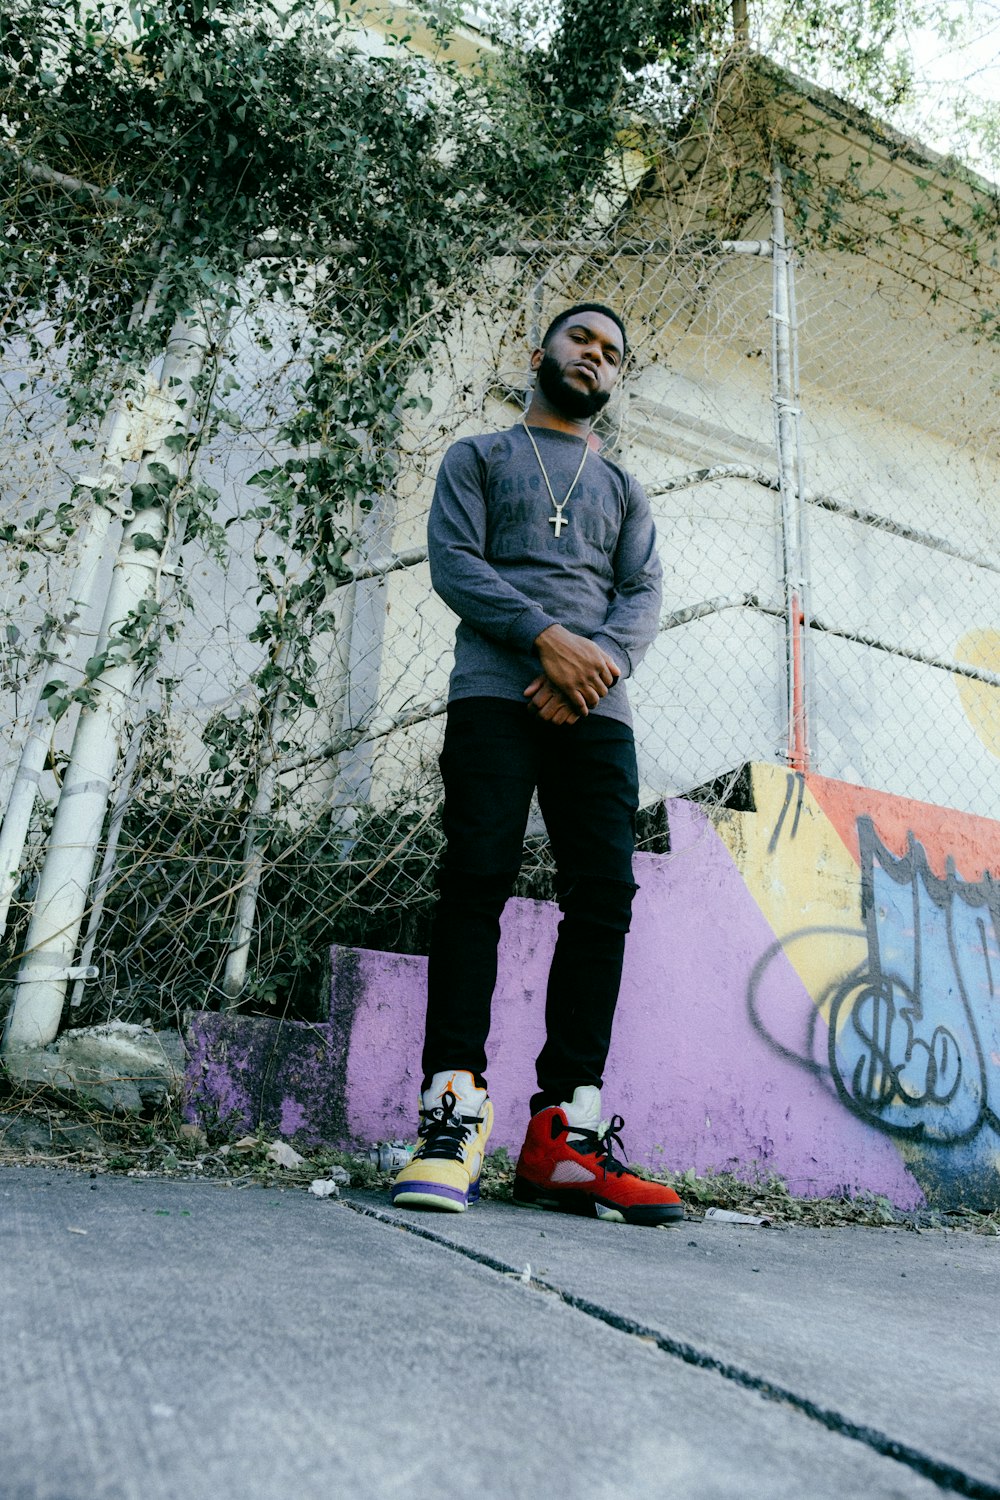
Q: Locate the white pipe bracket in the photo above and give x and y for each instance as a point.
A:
(746, 247)
(73, 971)
(110, 502)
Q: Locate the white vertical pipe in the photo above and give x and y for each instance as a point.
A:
(103, 881)
(80, 595)
(61, 898)
(92, 552)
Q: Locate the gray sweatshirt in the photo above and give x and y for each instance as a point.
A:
(496, 561)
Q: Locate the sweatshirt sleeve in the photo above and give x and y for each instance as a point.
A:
(633, 617)
(460, 573)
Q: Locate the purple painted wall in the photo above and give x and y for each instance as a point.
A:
(825, 904)
(697, 1084)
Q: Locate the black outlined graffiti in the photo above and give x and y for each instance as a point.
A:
(794, 785)
(901, 1046)
(801, 1037)
(892, 1065)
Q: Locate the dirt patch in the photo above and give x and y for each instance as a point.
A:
(43, 1129)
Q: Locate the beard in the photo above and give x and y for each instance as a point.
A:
(565, 397)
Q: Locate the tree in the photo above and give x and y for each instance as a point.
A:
(170, 166)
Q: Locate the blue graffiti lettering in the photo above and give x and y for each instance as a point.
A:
(904, 1042)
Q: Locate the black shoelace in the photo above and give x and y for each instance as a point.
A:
(601, 1145)
(445, 1133)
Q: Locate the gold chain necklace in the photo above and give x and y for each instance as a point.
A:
(558, 521)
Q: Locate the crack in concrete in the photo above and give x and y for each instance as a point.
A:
(945, 1475)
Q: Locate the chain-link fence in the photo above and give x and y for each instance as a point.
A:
(900, 448)
(820, 450)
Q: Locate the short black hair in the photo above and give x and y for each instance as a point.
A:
(583, 307)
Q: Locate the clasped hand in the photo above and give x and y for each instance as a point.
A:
(575, 676)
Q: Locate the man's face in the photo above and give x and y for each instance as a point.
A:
(579, 366)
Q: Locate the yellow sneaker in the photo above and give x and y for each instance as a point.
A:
(455, 1123)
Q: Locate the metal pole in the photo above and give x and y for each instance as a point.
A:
(255, 847)
(784, 398)
(61, 898)
(801, 494)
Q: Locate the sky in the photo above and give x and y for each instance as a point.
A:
(945, 68)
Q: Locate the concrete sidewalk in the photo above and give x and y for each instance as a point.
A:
(163, 1339)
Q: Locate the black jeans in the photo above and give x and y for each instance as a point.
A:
(496, 752)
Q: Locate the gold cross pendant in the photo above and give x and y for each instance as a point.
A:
(559, 520)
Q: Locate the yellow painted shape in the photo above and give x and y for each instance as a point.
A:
(807, 879)
(980, 701)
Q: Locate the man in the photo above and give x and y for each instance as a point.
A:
(547, 553)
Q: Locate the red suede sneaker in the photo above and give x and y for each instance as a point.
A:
(566, 1163)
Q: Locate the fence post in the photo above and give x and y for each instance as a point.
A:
(254, 839)
(784, 395)
(61, 898)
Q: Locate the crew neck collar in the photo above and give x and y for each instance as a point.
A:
(570, 437)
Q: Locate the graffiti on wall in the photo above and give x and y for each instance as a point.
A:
(904, 1022)
(906, 1048)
